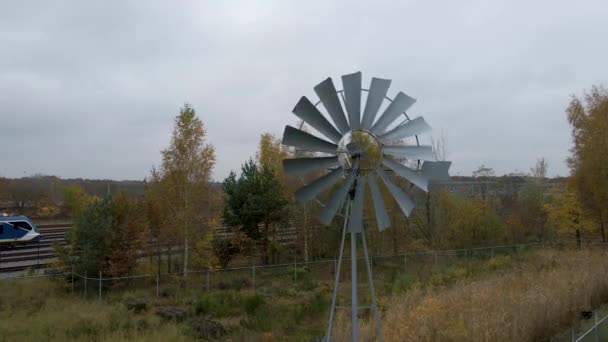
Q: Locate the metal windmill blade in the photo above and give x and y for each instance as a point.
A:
(334, 129)
(362, 147)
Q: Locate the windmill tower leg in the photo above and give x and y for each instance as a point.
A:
(337, 277)
(354, 297)
(371, 288)
(354, 303)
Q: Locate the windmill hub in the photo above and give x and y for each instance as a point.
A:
(360, 145)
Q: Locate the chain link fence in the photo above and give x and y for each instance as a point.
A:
(598, 332)
(294, 276)
(297, 274)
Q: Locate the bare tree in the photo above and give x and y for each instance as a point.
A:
(440, 149)
(539, 171)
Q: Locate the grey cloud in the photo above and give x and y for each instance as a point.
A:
(91, 89)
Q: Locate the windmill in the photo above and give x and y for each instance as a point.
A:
(357, 150)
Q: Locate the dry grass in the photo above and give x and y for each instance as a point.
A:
(529, 302)
(503, 299)
(39, 310)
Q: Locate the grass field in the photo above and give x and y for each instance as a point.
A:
(526, 301)
(529, 295)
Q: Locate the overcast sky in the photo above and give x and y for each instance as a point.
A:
(90, 88)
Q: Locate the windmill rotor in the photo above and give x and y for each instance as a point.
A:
(358, 146)
(334, 141)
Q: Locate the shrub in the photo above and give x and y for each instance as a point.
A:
(292, 292)
(499, 262)
(134, 303)
(298, 311)
(307, 283)
(401, 283)
(448, 277)
(240, 283)
(300, 272)
(219, 304)
(318, 304)
(260, 321)
(205, 329)
(225, 249)
(252, 303)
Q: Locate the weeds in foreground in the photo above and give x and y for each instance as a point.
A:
(523, 302)
(39, 310)
(519, 297)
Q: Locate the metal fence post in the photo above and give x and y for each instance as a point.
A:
(85, 284)
(157, 281)
(72, 278)
(573, 335)
(253, 270)
(335, 265)
(295, 270)
(466, 257)
(99, 284)
(597, 332)
(38, 257)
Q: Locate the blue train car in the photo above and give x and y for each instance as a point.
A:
(17, 229)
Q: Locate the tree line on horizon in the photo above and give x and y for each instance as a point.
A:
(173, 218)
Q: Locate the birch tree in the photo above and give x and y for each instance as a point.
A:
(185, 182)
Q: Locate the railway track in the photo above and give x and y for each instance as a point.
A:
(38, 255)
(34, 254)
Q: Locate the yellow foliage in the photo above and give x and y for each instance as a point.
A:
(47, 211)
(271, 153)
(470, 222)
(499, 262)
(565, 212)
(589, 121)
(75, 200)
(182, 203)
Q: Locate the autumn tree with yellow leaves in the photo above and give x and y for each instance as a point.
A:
(271, 153)
(565, 213)
(182, 202)
(588, 163)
